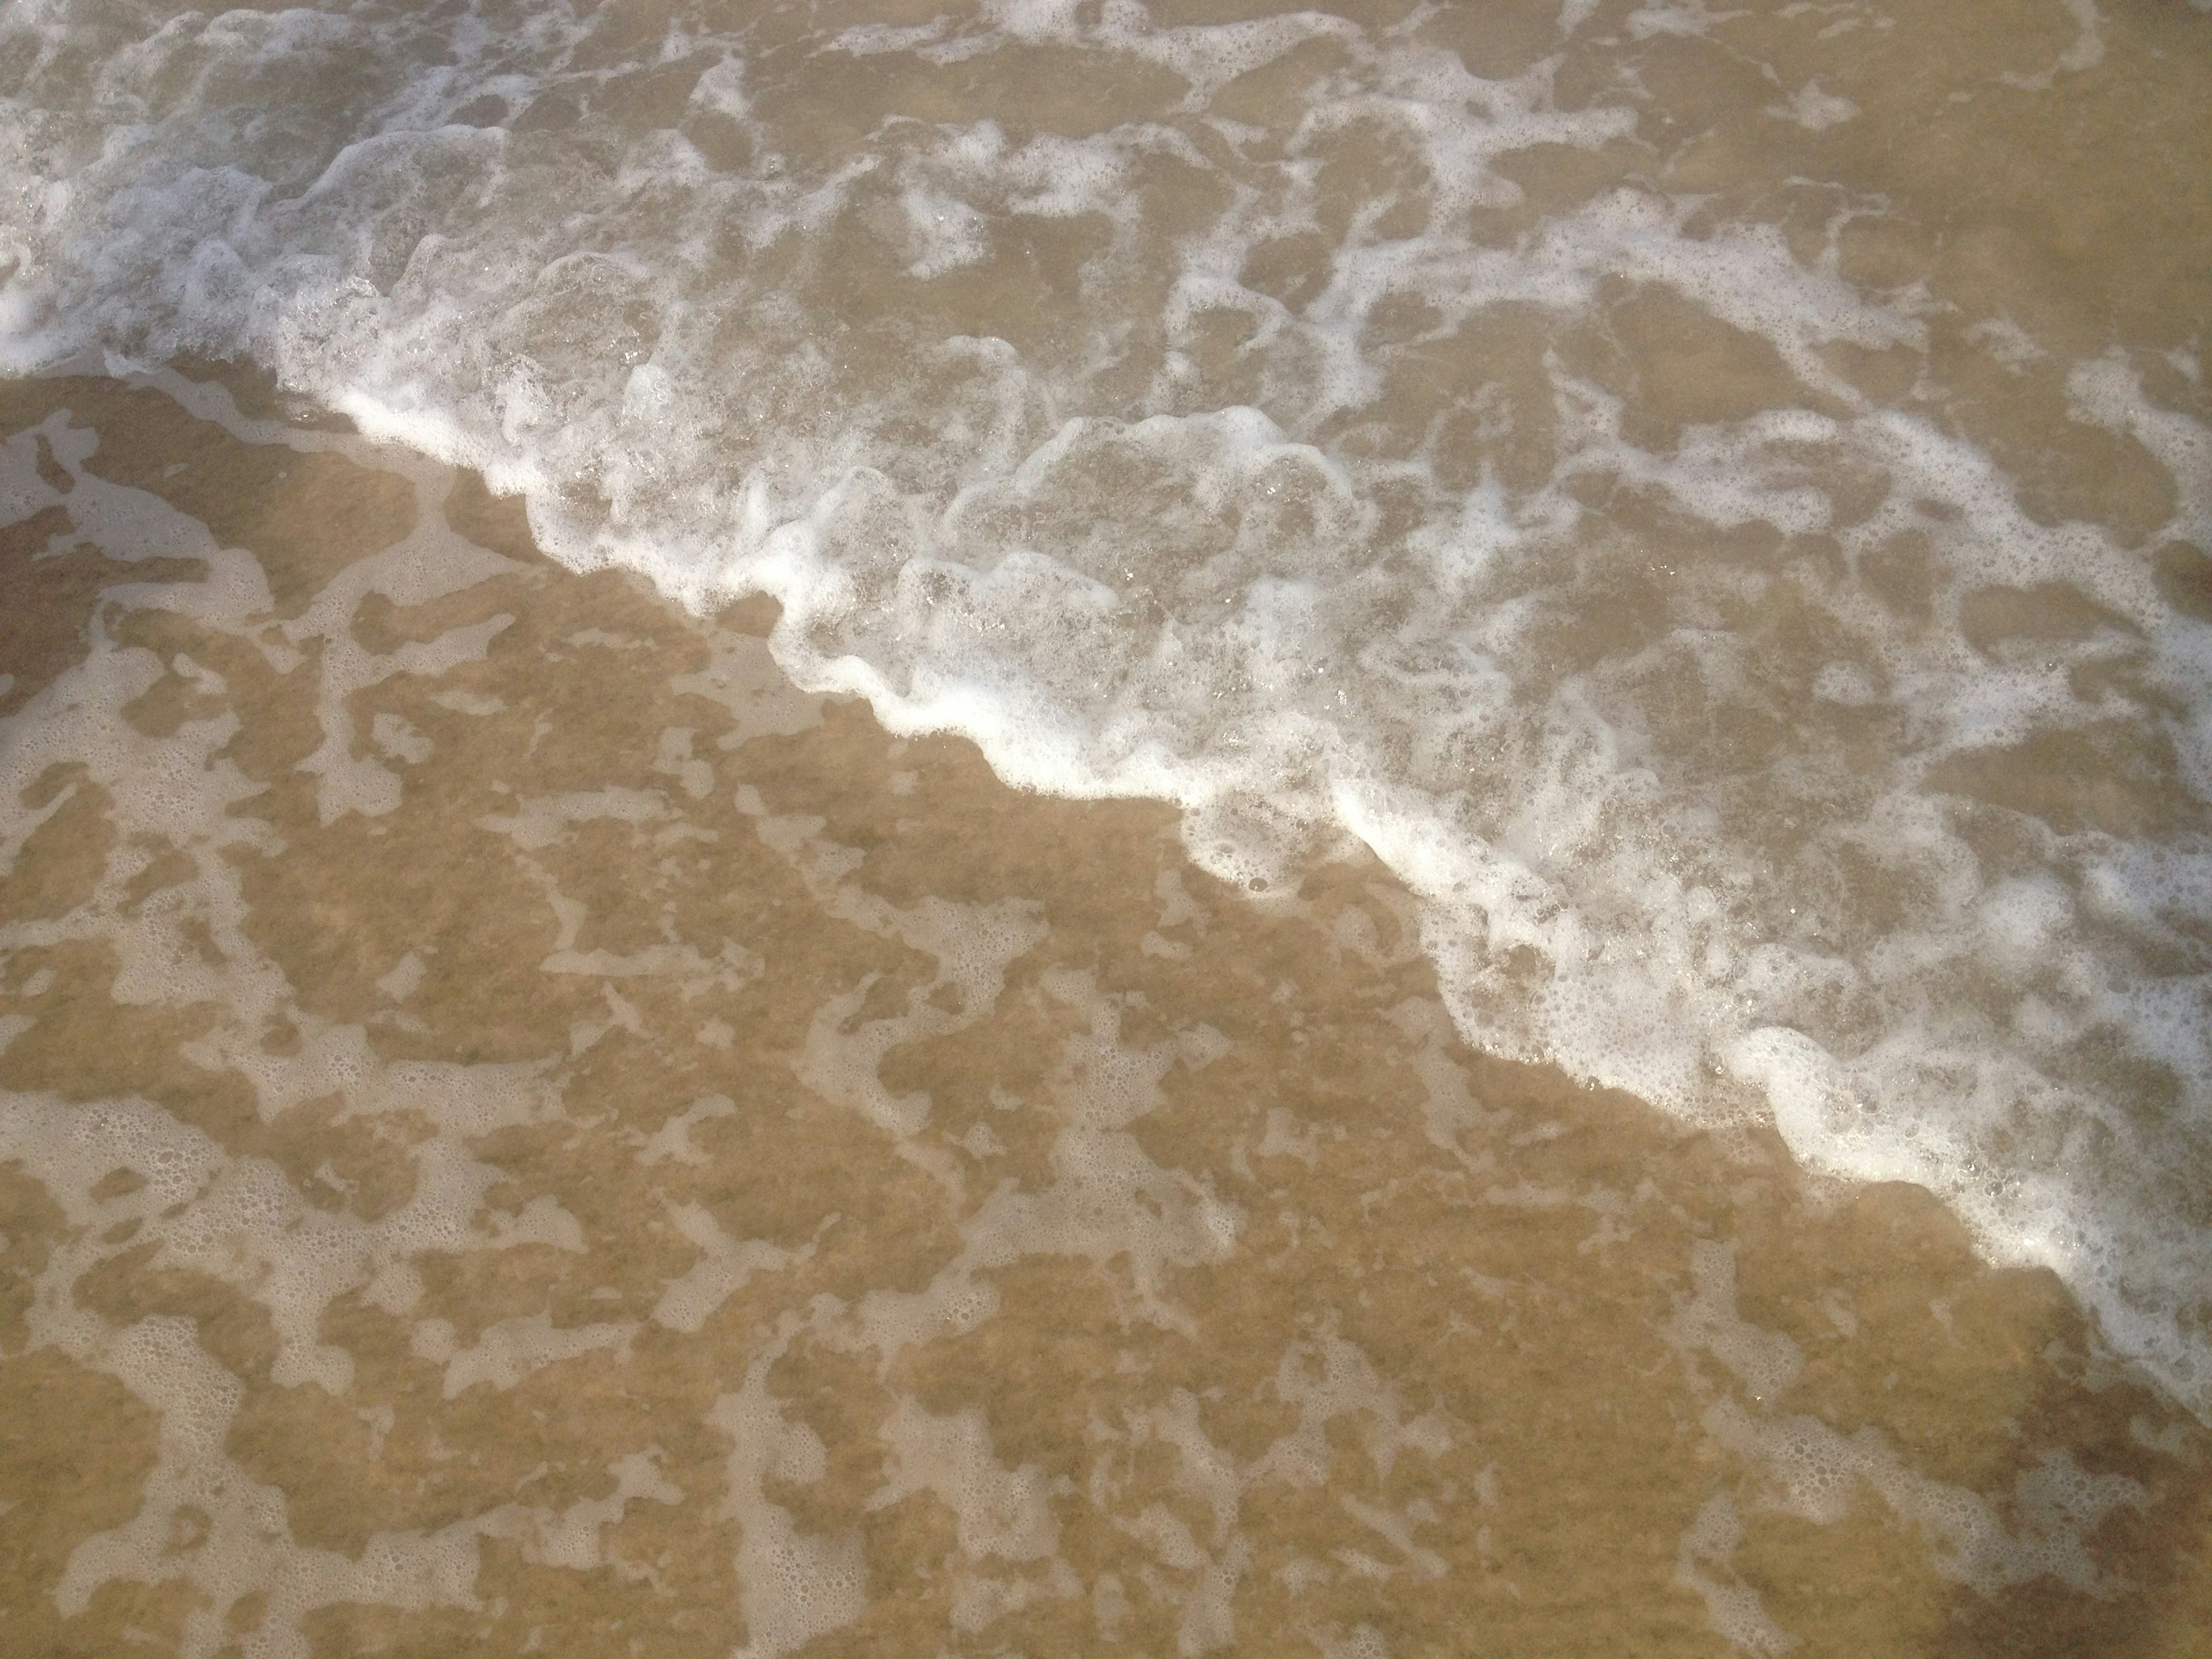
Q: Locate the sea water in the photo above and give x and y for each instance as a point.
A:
(1717, 501)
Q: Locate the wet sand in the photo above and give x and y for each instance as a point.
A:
(523, 1132)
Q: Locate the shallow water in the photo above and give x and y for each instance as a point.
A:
(1717, 501)
(525, 1132)
(1671, 546)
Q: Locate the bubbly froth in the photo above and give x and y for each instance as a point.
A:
(1603, 461)
(500, 1155)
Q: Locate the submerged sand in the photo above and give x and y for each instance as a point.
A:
(523, 1132)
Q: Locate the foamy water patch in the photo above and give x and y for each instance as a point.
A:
(989, 1287)
(1234, 444)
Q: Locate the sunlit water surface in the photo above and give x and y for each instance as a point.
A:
(1706, 515)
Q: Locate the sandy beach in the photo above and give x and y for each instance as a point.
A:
(523, 1132)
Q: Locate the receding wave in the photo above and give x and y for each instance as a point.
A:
(1753, 592)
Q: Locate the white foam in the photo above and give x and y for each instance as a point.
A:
(795, 1585)
(1269, 607)
(509, 1350)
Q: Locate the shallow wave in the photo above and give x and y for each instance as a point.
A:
(1779, 669)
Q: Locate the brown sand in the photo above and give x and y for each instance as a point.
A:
(614, 1156)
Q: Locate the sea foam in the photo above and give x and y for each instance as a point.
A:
(1261, 417)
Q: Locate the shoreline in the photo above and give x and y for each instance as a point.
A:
(1009, 1208)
